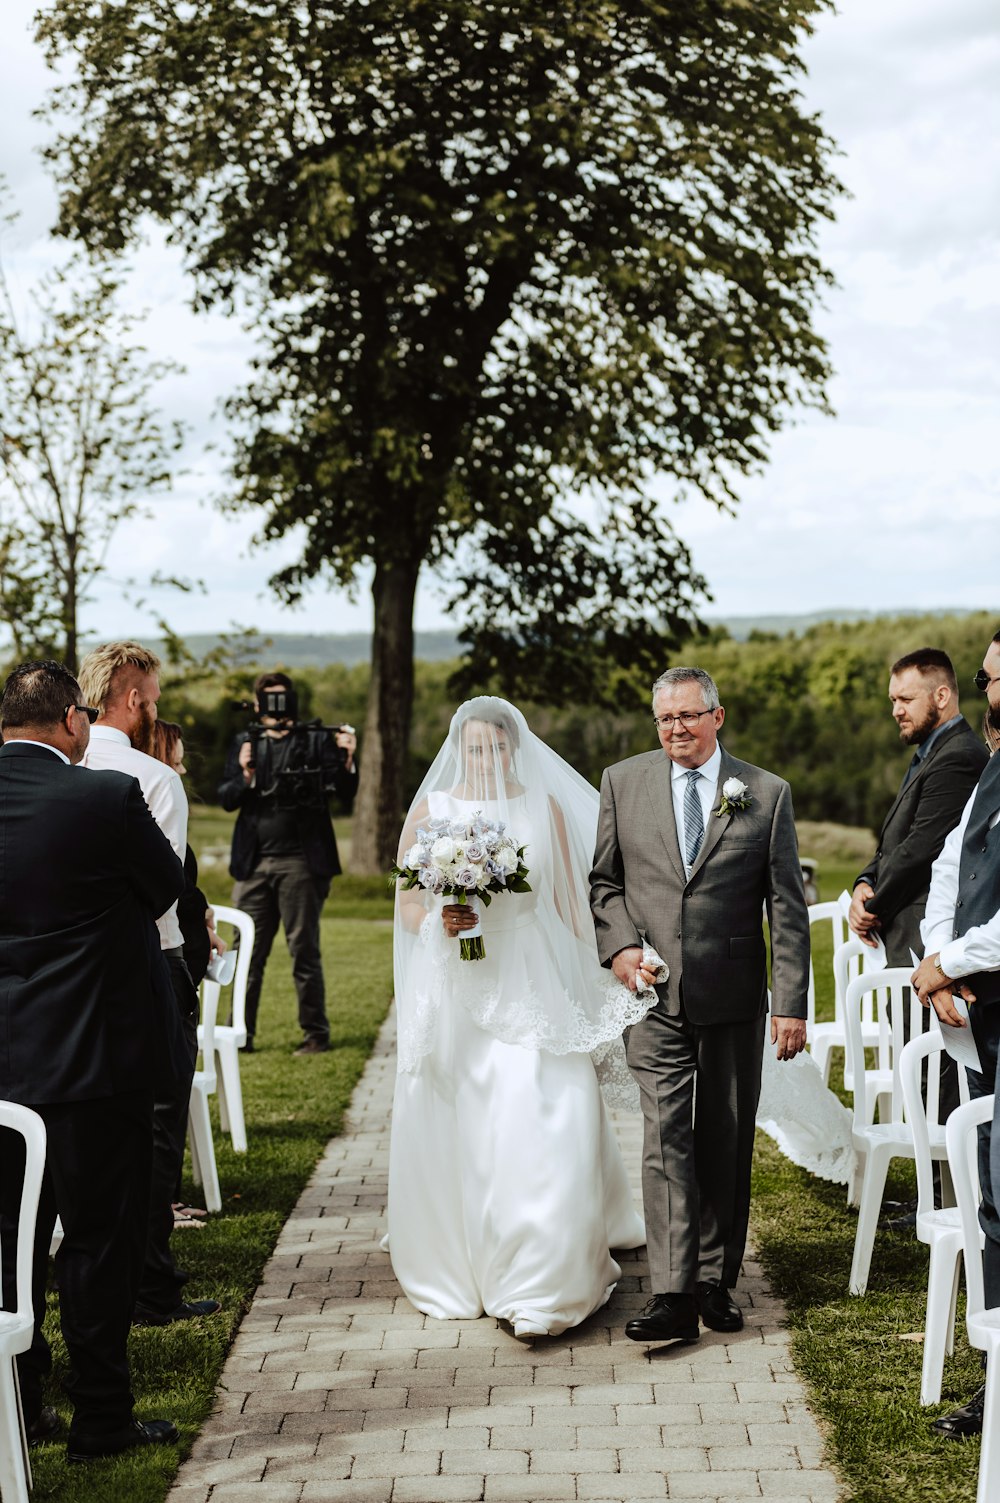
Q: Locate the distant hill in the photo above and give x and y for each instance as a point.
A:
(318, 649)
(741, 627)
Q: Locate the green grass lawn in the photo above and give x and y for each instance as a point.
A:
(856, 1355)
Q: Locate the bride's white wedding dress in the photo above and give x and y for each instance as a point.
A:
(507, 1189)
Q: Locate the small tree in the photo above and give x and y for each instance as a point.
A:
(81, 447)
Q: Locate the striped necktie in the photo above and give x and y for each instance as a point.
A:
(694, 819)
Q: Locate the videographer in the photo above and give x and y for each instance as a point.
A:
(280, 773)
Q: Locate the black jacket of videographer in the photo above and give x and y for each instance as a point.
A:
(304, 747)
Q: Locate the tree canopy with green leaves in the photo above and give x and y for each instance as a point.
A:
(509, 266)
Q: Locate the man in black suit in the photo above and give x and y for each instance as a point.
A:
(891, 893)
(284, 851)
(84, 873)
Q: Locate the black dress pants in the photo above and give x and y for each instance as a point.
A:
(97, 1180)
(282, 890)
(162, 1281)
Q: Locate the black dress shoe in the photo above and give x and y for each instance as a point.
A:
(312, 1046)
(667, 1317)
(247, 1048)
(898, 1216)
(45, 1426)
(717, 1308)
(136, 1433)
(965, 1421)
(189, 1310)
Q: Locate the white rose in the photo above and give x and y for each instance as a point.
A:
(413, 855)
(733, 788)
(443, 850)
(506, 859)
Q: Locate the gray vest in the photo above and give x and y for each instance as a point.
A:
(979, 874)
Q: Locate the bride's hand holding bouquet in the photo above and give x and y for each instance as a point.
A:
(464, 860)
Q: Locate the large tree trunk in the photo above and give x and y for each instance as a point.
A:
(381, 796)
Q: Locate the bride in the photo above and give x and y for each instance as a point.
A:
(506, 1185)
(507, 1189)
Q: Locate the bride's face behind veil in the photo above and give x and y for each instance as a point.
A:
(487, 753)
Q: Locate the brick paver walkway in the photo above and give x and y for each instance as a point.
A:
(337, 1389)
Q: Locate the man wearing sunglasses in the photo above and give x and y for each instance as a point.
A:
(961, 941)
(84, 874)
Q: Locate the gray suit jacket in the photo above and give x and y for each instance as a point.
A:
(709, 929)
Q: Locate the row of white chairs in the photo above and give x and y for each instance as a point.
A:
(903, 1089)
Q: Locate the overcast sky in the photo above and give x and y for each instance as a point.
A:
(889, 505)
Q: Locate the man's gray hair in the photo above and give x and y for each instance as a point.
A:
(686, 676)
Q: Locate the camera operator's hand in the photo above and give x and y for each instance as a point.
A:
(246, 761)
(348, 743)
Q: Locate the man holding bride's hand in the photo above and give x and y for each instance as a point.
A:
(691, 846)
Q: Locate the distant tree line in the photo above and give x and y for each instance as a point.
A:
(812, 707)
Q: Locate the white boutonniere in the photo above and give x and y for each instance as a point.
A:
(735, 796)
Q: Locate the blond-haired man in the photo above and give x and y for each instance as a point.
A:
(122, 680)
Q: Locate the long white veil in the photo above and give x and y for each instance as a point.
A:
(492, 763)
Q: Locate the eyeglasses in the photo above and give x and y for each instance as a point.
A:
(982, 681)
(87, 710)
(688, 719)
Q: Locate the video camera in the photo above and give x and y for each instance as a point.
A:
(303, 782)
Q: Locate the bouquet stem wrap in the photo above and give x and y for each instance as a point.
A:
(471, 945)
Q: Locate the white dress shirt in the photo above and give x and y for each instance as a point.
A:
(979, 949)
(706, 783)
(163, 792)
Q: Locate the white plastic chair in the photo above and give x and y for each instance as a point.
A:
(825, 1037)
(17, 1326)
(940, 1229)
(230, 1037)
(878, 1143)
(199, 1118)
(818, 1033)
(852, 959)
(982, 1325)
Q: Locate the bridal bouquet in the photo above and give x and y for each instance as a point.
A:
(464, 860)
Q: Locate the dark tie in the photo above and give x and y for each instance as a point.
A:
(694, 820)
(912, 768)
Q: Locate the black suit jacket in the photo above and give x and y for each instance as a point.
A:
(315, 827)
(84, 873)
(913, 832)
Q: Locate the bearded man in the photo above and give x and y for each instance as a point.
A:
(890, 895)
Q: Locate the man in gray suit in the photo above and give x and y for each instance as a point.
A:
(691, 845)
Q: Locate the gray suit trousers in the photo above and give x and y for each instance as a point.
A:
(699, 1087)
